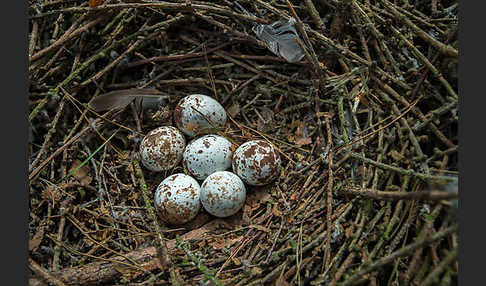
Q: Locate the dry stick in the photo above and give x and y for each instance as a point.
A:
(393, 196)
(33, 37)
(411, 135)
(158, 4)
(432, 68)
(300, 27)
(400, 170)
(175, 57)
(283, 220)
(44, 273)
(106, 270)
(405, 251)
(261, 73)
(116, 61)
(341, 51)
(355, 244)
(330, 185)
(228, 28)
(164, 258)
(46, 161)
(433, 275)
(209, 70)
(444, 49)
(48, 135)
(57, 248)
(422, 19)
(433, 114)
(66, 37)
(415, 110)
(99, 55)
(134, 263)
(314, 14)
(379, 129)
(381, 44)
(362, 38)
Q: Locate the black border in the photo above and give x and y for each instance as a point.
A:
(471, 143)
(14, 187)
(14, 144)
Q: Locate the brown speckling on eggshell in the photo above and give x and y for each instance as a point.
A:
(162, 148)
(256, 162)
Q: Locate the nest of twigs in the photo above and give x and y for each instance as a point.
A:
(366, 125)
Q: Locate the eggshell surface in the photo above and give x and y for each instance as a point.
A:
(256, 162)
(206, 155)
(192, 113)
(223, 194)
(177, 199)
(162, 148)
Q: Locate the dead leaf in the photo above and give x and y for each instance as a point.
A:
(51, 194)
(303, 141)
(247, 210)
(258, 197)
(236, 261)
(200, 233)
(95, 3)
(37, 239)
(82, 174)
(295, 124)
(217, 243)
(234, 110)
(276, 211)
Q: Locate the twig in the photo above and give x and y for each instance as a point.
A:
(164, 258)
(393, 196)
(433, 275)
(445, 49)
(66, 37)
(49, 277)
(400, 170)
(330, 185)
(405, 251)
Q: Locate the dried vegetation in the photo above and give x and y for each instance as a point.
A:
(366, 125)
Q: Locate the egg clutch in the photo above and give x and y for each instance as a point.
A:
(206, 159)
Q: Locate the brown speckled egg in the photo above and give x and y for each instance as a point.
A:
(192, 113)
(177, 199)
(206, 155)
(162, 148)
(256, 162)
(223, 194)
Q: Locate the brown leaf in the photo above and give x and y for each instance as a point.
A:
(200, 233)
(95, 3)
(37, 239)
(303, 141)
(217, 243)
(259, 196)
(234, 110)
(82, 174)
(247, 210)
(276, 211)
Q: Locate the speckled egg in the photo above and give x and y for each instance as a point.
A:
(192, 113)
(223, 194)
(162, 148)
(256, 162)
(177, 199)
(206, 155)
